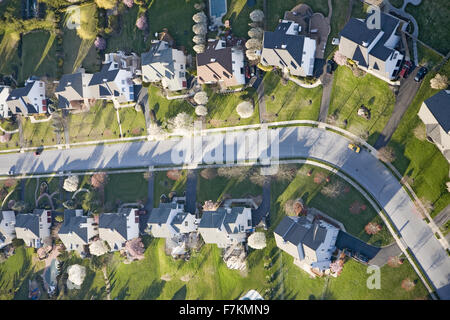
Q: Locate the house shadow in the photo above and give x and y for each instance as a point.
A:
(153, 291)
(180, 294)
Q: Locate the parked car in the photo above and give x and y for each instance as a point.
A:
(406, 68)
(330, 66)
(420, 74)
(247, 72)
(354, 147)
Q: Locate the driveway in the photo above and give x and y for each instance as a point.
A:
(406, 94)
(327, 82)
(294, 143)
(347, 241)
(262, 212)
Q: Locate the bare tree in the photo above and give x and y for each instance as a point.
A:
(209, 173)
(257, 240)
(201, 97)
(294, 207)
(256, 33)
(439, 82)
(394, 261)
(201, 110)
(245, 109)
(408, 284)
(339, 58)
(240, 173)
(420, 132)
(333, 190)
(372, 228)
(386, 154)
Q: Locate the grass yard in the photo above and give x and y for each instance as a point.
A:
(132, 121)
(99, 123)
(432, 17)
(222, 108)
(78, 53)
(276, 9)
(38, 134)
(11, 144)
(290, 102)
(350, 92)
(176, 16)
(10, 62)
(427, 57)
(130, 37)
(38, 55)
(165, 109)
(164, 185)
(418, 158)
(126, 188)
(30, 189)
(238, 14)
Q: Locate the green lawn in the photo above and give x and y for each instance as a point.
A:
(164, 185)
(176, 16)
(99, 123)
(397, 3)
(350, 92)
(132, 121)
(427, 57)
(338, 20)
(11, 144)
(238, 14)
(126, 188)
(165, 109)
(222, 108)
(38, 134)
(38, 55)
(420, 159)
(290, 102)
(432, 17)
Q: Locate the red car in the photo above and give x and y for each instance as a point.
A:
(406, 68)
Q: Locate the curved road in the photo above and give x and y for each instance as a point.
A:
(295, 142)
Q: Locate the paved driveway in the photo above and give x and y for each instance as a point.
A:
(295, 142)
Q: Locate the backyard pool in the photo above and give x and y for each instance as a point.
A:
(217, 8)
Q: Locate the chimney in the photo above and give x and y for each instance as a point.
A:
(283, 46)
(365, 44)
(213, 60)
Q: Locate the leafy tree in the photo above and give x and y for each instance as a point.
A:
(106, 4)
(439, 82)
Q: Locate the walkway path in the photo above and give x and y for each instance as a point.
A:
(10, 132)
(294, 143)
(21, 139)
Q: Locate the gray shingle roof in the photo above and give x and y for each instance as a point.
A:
(114, 221)
(212, 219)
(74, 81)
(21, 94)
(104, 74)
(439, 106)
(73, 224)
(161, 214)
(301, 231)
(28, 221)
(221, 56)
(159, 55)
(357, 31)
(294, 43)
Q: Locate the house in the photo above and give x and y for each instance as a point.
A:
(435, 114)
(130, 62)
(310, 241)
(113, 83)
(34, 228)
(170, 220)
(118, 228)
(4, 94)
(28, 100)
(77, 230)
(373, 49)
(166, 65)
(7, 227)
(221, 64)
(225, 226)
(286, 49)
(73, 91)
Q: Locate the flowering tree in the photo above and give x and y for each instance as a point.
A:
(257, 15)
(181, 121)
(256, 33)
(201, 110)
(71, 184)
(439, 82)
(408, 284)
(201, 98)
(252, 54)
(245, 109)
(255, 44)
(337, 266)
(339, 58)
(198, 39)
(141, 23)
(106, 4)
(98, 180)
(135, 249)
(257, 240)
(386, 154)
(128, 3)
(199, 17)
(394, 262)
(372, 228)
(200, 28)
(210, 205)
(156, 132)
(199, 48)
(100, 43)
(333, 190)
(5, 137)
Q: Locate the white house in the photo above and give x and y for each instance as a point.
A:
(166, 65)
(7, 227)
(34, 228)
(117, 228)
(28, 100)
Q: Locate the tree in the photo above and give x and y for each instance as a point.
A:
(199, 48)
(294, 207)
(394, 261)
(208, 173)
(156, 132)
(19, 206)
(181, 121)
(71, 184)
(408, 284)
(372, 228)
(128, 3)
(256, 33)
(240, 173)
(199, 6)
(257, 15)
(210, 206)
(5, 137)
(200, 28)
(201, 110)
(386, 154)
(257, 240)
(100, 42)
(245, 109)
(254, 44)
(198, 39)
(106, 4)
(439, 82)
(333, 190)
(98, 180)
(339, 58)
(252, 54)
(259, 179)
(57, 122)
(200, 17)
(201, 97)
(141, 23)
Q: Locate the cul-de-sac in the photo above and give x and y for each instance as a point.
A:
(224, 150)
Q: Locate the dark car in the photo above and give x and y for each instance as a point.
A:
(330, 66)
(420, 74)
(406, 68)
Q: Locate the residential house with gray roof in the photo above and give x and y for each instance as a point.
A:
(117, 228)
(435, 114)
(7, 227)
(29, 100)
(73, 91)
(77, 230)
(221, 64)
(310, 241)
(225, 226)
(4, 94)
(166, 65)
(286, 49)
(34, 228)
(374, 49)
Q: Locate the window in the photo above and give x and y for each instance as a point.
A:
(242, 228)
(185, 223)
(249, 222)
(181, 66)
(181, 74)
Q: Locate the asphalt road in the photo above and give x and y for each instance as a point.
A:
(294, 142)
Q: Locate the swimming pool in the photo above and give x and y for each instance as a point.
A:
(217, 8)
